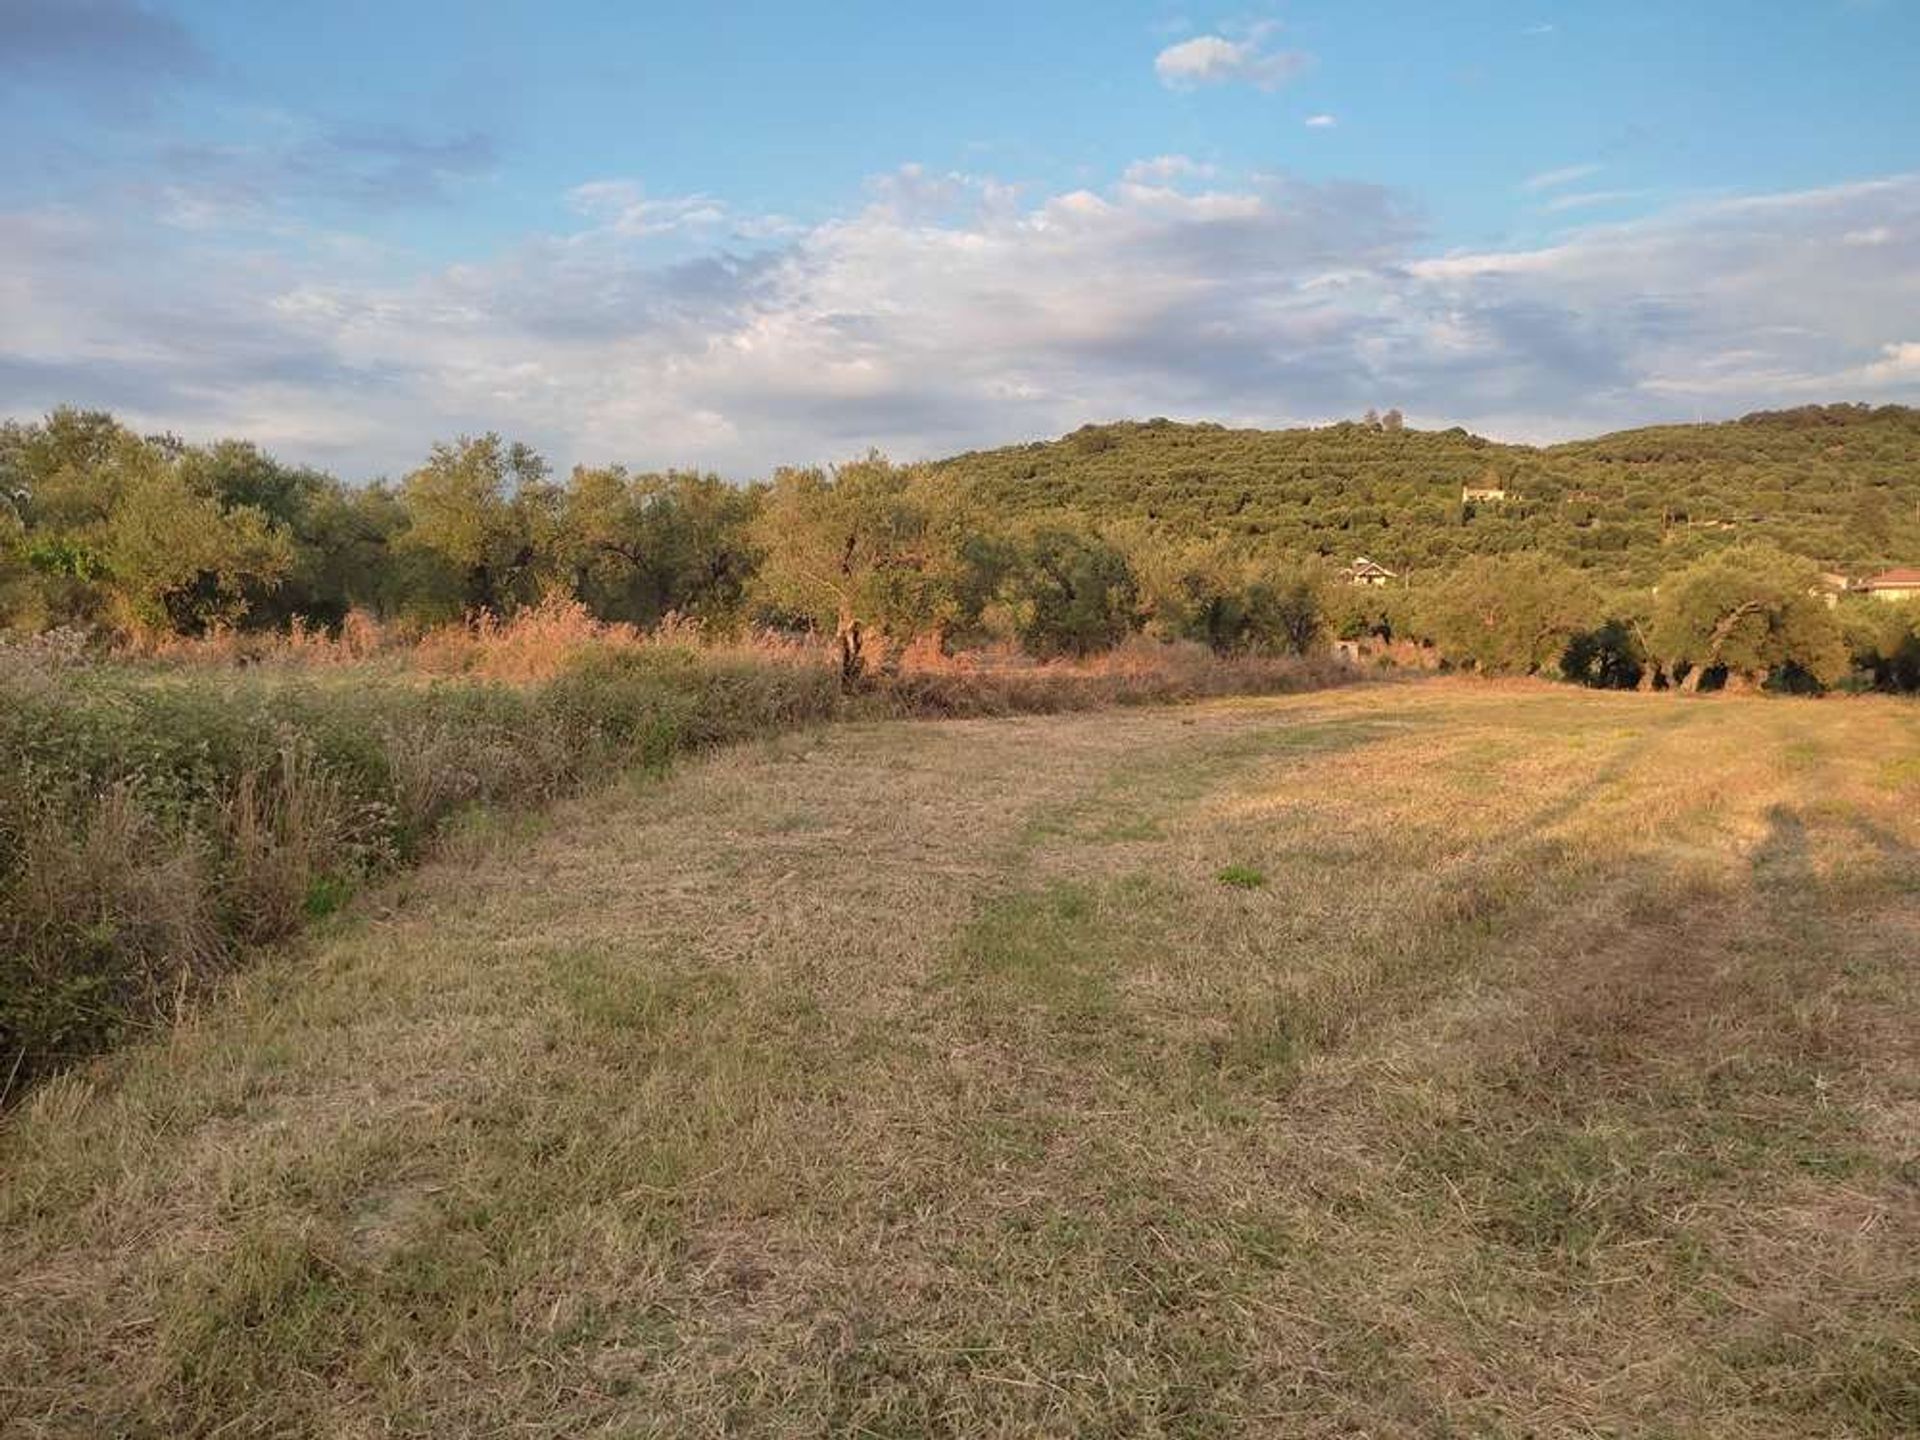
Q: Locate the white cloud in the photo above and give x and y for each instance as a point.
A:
(1899, 362)
(1166, 169)
(1565, 175)
(949, 311)
(1588, 199)
(621, 209)
(1216, 60)
(1321, 122)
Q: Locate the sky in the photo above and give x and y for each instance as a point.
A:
(734, 236)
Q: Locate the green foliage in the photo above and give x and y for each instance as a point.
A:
(479, 509)
(1231, 600)
(1836, 483)
(1511, 614)
(639, 547)
(1754, 612)
(1061, 592)
(1187, 532)
(1607, 657)
(1242, 877)
(116, 529)
(1884, 639)
(178, 560)
(862, 548)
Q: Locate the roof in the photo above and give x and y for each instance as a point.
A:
(1902, 577)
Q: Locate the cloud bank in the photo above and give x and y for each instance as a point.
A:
(950, 311)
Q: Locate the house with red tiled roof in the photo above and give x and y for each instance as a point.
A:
(1900, 583)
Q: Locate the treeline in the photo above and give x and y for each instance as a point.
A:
(1751, 615)
(104, 529)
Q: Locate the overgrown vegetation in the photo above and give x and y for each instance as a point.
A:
(155, 819)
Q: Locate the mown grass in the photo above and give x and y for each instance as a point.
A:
(903, 1079)
(163, 815)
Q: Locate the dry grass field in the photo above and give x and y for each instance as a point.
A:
(1433, 1059)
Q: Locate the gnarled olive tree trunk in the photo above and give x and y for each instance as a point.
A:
(849, 641)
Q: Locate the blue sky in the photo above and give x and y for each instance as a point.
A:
(734, 235)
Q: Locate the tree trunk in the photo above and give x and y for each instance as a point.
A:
(849, 639)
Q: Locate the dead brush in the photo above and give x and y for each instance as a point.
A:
(303, 644)
(1141, 671)
(106, 914)
(533, 644)
(437, 764)
(286, 834)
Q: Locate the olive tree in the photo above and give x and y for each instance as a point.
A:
(1510, 614)
(1750, 612)
(482, 510)
(862, 548)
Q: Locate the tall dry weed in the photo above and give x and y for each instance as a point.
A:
(290, 836)
(103, 915)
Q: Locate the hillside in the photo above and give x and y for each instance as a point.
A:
(1839, 484)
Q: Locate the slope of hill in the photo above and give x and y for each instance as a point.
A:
(1840, 484)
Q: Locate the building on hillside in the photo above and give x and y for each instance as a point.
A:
(1900, 583)
(1482, 494)
(1831, 587)
(1367, 572)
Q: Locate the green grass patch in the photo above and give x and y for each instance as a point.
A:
(1054, 948)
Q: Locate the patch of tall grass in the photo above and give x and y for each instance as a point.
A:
(155, 822)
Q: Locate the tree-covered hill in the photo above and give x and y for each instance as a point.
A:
(1839, 484)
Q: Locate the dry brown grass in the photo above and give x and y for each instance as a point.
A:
(888, 1079)
(1003, 681)
(535, 644)
(544, 640)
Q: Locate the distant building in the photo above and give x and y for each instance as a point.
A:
(1900, 583)
(1481, 494)
(1366, 572)
(1831, 587)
